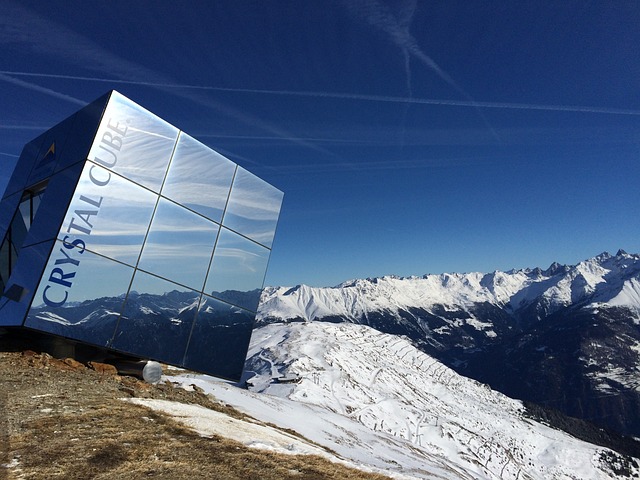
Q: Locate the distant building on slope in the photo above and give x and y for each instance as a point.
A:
(121, 231)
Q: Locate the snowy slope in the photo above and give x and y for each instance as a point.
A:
(377, 401)
(561, 337)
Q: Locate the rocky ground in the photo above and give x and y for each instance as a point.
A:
(60, 418)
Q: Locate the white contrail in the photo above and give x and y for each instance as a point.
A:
(349, 96)
(377, 15)
(347, 141)
(281, 134)
(22, 127)
(38, 88)
(405, 17)
(41, 33)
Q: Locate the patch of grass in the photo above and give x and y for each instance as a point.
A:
(67, 424)
(123, 441)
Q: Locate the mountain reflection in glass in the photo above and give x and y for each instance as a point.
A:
(237, 270)
(23, 280)
(157, 312)
(84, 303)
(219, 333)
(120, 231)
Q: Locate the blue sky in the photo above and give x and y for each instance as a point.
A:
(408, 137)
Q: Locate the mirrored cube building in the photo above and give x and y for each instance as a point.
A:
(123, 232)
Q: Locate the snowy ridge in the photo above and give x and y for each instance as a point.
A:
(606, 279)
(384, 383)
(629, 295)
(373, 401)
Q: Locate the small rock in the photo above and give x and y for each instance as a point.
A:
(74, 364)
(104, 368)
(128, 390)
(196, 388)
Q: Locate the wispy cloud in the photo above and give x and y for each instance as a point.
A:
(43, 36)
(347, 96)
(23, 127)
(396, 28)
(37, 88)
(20, 25)
(405, 18)
(395, 164)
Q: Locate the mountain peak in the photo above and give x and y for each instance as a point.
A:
(603, 256)
(554, 269)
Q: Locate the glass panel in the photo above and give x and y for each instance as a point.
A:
(24, 281)
(80, 295)
(18, 230)
(134, 142)
(199, 178)
(237, 271)
(16, 234)
(254, 207)
(108, 214)
(36, 200)
(5, 264)
(220, 339)
(157, 319)
(30, 203)
(7, 209)
(51, 210)
(18, 180)
(179, 245)
(51, 149)
(82, 134)
(13, 253)
(25, 212)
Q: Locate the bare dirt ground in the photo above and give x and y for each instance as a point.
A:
(61, 419)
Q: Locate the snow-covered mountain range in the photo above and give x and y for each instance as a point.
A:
(567, 337)
(603, 280)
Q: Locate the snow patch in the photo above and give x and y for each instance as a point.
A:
(380, 403)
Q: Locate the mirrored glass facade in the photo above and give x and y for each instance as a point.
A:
(121, 231)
